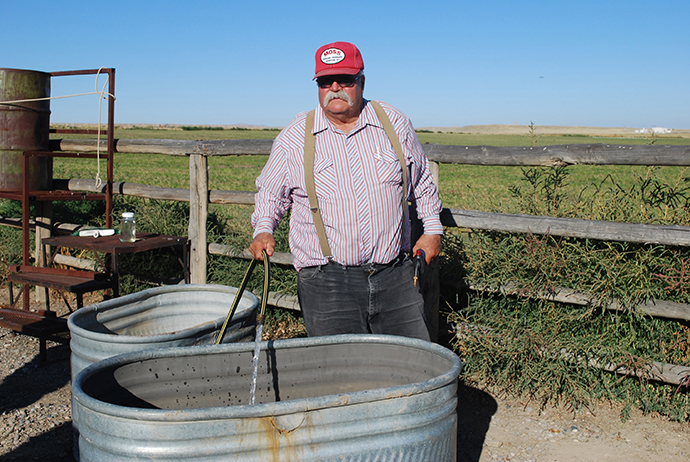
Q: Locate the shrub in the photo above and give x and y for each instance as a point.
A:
(545, 349)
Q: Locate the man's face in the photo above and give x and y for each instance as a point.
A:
(340, 96)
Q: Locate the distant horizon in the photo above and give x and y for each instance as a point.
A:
(440, 127)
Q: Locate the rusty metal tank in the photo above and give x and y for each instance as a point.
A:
(24, 126)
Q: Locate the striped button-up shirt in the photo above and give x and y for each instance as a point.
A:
(358, 185)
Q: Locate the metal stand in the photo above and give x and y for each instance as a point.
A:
(43, 324)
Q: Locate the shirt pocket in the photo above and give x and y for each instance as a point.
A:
(325, 178)
(388, 167)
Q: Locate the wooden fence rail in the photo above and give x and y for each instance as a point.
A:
(591, 154)
(156, 192)
(568, 227)
(554, 156)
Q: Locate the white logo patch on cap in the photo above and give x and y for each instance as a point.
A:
(332, 56)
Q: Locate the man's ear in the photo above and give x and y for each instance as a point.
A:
(362, 79)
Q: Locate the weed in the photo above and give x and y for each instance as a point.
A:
(545, 349)
(533, 133)
(543, 196)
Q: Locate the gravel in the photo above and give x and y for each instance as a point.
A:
(35, 411)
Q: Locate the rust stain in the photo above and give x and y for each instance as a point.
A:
(272, 437)
(279, 442)
(288, 423)
(393, 395)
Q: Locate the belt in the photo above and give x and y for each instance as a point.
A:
(373, 267)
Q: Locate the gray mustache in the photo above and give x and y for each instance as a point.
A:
(340, 94)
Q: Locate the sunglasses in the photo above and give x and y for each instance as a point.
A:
(345, 81)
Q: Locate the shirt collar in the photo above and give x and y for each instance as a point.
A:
(366, 117)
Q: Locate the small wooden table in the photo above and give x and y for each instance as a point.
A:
(113, 246)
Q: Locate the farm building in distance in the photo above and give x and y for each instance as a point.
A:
(655, 131)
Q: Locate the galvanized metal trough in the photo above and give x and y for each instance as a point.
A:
(337, 398)
(162, 317)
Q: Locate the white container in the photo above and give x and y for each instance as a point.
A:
(128, 227)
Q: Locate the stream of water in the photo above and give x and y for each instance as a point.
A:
(255, 361)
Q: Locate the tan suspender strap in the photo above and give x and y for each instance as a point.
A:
(393, 137)
(309, 153)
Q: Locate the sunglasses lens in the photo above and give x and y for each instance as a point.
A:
(343, 80)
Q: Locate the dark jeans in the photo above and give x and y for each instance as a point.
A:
(374, 298)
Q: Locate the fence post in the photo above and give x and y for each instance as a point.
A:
(44, 221)
(198, 213)
(435, 171)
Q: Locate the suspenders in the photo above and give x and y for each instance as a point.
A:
(309, 152)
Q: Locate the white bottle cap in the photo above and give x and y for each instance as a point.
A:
(127, 214)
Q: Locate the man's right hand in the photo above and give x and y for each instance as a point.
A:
(262, 241)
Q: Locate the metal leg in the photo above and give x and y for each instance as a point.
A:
(19, 295)
(116, 276)
(66, 302)
(27, 297)
(184, 262)
(47, 298)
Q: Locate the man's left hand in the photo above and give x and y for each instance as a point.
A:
(430, 244)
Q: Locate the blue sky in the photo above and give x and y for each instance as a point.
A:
(444, 63)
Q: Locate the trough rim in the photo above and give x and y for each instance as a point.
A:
(147, 294)
(273, 408)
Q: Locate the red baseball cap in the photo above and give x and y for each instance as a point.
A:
(338, 58)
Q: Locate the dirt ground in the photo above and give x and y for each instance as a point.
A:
(510, 429)
(35, 419)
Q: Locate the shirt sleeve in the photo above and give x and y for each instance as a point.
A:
(273, 198)
(423, 191)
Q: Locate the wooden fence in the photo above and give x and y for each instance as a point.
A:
(593, 154)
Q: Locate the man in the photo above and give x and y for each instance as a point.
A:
(364, 281)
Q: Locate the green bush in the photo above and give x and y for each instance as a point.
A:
(10, 249)
(545, 349)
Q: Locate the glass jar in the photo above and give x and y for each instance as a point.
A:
(128, 227)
